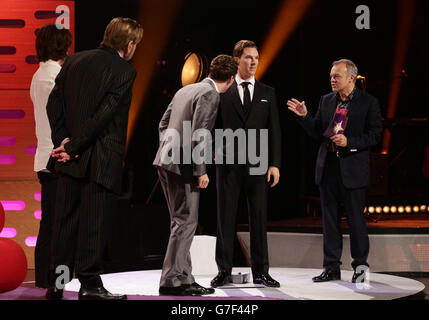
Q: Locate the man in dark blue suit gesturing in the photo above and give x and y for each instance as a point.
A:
(348, 123)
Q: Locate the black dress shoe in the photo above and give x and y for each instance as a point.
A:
(328, 275)
(196, 290)
(99, 293)
(222, 278)
(53, 293)
(266, 280)
(172, 291)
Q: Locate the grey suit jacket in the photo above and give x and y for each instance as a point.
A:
(197, 104)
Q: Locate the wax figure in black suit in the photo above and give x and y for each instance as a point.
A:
(88, 112)
(251, 105)
(342, 168)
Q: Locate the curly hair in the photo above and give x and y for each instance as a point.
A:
(223, 67)
(52, 43)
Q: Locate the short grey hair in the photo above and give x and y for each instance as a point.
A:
(350, 65)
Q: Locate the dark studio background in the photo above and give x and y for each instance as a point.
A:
(301, 70)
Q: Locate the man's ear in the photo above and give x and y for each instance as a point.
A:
(230, 80)
(128, 47)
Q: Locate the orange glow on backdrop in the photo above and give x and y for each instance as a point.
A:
(157, 22)
(404, 25)
(290, 14)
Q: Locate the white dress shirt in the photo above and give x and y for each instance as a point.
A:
(240, 88)
(41, 86)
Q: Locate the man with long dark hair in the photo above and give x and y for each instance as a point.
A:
(52, 45)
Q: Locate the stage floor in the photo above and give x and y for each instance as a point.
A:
(295, 283)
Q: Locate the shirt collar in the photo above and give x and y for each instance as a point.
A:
(50, 62)
(349, 97)
(239, 80)
(214, 84)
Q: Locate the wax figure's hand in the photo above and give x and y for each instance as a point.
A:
(275, 172)
(340, 140)
(297, 107)
(203, 181)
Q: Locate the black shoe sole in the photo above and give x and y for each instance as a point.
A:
(327, 280)
(87, 297)
(268, 285)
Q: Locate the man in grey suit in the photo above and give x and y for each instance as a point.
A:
(191, 113)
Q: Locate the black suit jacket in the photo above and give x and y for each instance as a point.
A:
(363, 130)
(263, 114)
(89, 104)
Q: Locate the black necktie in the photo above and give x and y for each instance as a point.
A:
(246, 97)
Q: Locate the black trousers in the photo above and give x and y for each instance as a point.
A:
(332, 193)
(43, 251)
(230, 180)
(84, 211)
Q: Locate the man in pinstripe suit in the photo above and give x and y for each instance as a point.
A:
(88, 113)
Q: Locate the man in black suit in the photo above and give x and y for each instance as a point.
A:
(348, 123)
(247, 105)
(88, 113)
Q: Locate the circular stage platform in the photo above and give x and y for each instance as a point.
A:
(296, 284)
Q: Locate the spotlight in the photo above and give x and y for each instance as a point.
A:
(386, 209)
(371, 209)
(408, 209)
(378, 209)
(400, 209)
(393, 209)
(416, 209)
(422, 208)
(194, 68)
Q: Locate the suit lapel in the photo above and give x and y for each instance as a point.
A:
(351, 114)
(332, 106)
(257, 95)
(233, 91)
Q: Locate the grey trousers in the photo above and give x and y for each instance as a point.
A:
(183, 198)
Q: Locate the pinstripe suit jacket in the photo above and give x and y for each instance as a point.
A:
(89, 104)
